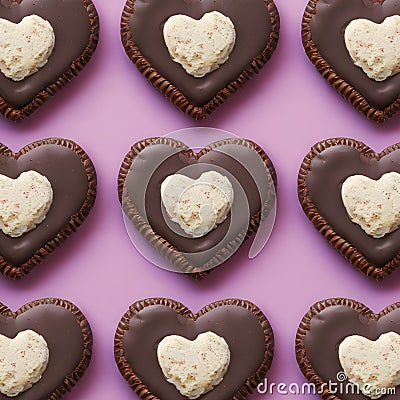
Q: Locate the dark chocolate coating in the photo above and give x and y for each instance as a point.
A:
(68, 337)
(71, 25)
(240, 323)
(321, 333)
(252, 24)
(329, 169)
(328, 26)
(232, 159)
(67, 175)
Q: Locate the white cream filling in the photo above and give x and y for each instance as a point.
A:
(24, 202)
(194, 367)
(197, 205)
(25, 47)
(200, 46)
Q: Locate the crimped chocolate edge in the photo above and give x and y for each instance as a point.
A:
(18, 114)
(170, 252)
(344, 247)
(70, 380)
(141, 389)
(305, 326)
(16, 272)
(358, 101)
(172, 92)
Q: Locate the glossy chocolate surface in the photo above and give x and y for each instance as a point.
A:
(329, 169)
(252, 24)
(70, 21)
(63, 334)
(67, 175)
(330, 327)
(328, 26)
(243, 167)
(238, 326)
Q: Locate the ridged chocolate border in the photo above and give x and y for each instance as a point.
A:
(18, 114)
(328, 232)
(171, 253)
(358, 101)
(141, 389)
(172, 92)
(75, 221)
(305, 326)
(70, 380)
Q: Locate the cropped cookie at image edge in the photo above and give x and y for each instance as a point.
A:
(76, 36)
(319, 337)
(240, 323)
(69, 339)
(142, 23)
(151, 160)
(321, 177)
(323, 30)
(72, 177)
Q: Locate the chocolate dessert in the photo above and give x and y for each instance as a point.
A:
(142, 36)
(150, 161)
(242, 325)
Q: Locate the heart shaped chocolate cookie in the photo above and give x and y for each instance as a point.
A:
(66, 334)
(323, 32)
(322, 341)
(142, 35)
(322, 175)
(75, 40)
(241, 324)
(72, 177)
(151, 161)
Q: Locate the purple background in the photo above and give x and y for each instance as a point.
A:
(285, 109)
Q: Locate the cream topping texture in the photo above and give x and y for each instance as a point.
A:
(200, 46)
(372, 365)
(375, 47)
(197, 205)
(23, 360)
(194, 367)
(25, 47)
(373, 204)
(24, 202)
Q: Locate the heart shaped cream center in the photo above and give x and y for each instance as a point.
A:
(24, 202)
(375, 47)
(374, 205)
(194, 367)
(197, 205)
(23, 360)
(372, 365)
(200, 46)
(25, 47)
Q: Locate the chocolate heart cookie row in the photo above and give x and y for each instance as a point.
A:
(161, 348)
(195, 208)
(196, 63)
(165, 351)
(197, 53)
